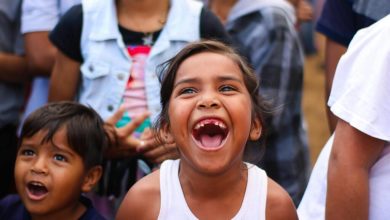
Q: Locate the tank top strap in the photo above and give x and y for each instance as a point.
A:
(255, 198)
(173, 205)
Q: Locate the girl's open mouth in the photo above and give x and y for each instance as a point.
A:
(210, 134)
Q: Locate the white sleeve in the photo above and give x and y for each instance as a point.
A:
(39, 15)
(361, 88)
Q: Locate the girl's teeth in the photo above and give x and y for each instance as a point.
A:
(199, 125)
(217, 123)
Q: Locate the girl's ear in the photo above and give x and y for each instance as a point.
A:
(91, 178)
(256, 128)
(166, 134)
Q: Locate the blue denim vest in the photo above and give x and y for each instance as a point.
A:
(107, 65)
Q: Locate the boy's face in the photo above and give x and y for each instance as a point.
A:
(49, 176)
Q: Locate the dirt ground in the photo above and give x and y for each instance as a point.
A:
(313, 102)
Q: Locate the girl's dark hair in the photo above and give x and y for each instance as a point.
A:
(168, 71)
(84, 129)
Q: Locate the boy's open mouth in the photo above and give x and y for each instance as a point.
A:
(210, 133)
(36, 190)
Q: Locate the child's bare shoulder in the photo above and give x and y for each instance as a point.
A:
(143, 195)
(279, 203)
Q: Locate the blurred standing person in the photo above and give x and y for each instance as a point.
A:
(351, 177)
(13, 72)
(264, 31)
(38, 18)
(339, 22)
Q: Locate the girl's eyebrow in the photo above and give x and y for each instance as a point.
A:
(197, 80)
(186, 80)
(228, 78)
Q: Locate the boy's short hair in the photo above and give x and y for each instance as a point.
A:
(84, 129)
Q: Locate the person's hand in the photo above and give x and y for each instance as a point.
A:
(155, 151)
(304, 11)
(122, 144)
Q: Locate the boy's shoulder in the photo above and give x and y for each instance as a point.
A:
(11, 207)
(279, 203)
(144, 194)
(91, 213)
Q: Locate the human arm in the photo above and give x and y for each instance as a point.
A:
(338, 23)
(13, 68)
(64, 79)
(40, 53)
(144, 193)
(352, 156)
(279, 203)
(66, 71)
(304, 11)
(333, 52)
(38, 18)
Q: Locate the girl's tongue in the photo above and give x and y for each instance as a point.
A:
(211, 141)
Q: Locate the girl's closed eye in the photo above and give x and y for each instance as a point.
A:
(227, 88)
(187, 90)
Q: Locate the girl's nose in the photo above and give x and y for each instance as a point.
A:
(209, 101)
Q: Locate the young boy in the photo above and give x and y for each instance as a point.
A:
(59, 158)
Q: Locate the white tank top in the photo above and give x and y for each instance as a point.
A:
(173, 204)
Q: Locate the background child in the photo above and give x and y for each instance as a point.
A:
(210, 108)
(59, 157)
